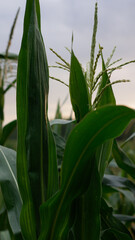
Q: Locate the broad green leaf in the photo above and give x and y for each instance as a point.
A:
(88, 221)
(10, 189)
(110, 225)
(33, 167)
(78, 89)
(104, 151)
(27, 219)
(27, 214)
(88, 209)
(7, 130)
(77, 165)
(123, 160)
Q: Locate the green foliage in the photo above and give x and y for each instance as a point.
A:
(11, 204)
(78, 89)
(63, 190)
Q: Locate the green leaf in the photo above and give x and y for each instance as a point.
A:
(112, 225)
(52, 181)
(107, 96)
(113, 234)
(104, 151)
(27, 218)
(118, 182)
(61, 122)
(77, 167)
(60, 146)
(123, 160)
(88, 209)
(78, 89)
(10, 189)
(7, 130)
(3, 221)
(64, 127)
(36, 153)
(128, 139)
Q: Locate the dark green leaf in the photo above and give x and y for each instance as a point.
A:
(3, 221)
(108, 96)
(123, 160)
(34, 158)
(103, 154)
(78, 89)
(60, 146)
(113, 234)
(104, 151)
(118, 182)
(7, 130)
(10, 188)
(110, 225)
(88, 209)
(77, 165)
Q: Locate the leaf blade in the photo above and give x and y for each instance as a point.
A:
(54, 209)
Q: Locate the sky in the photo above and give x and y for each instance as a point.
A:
(59, 18)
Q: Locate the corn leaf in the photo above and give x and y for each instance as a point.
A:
(78, 89)
(35, 160)
(123, 160)
(61, 122)
(88, 209)
(77, 165)
(118, 182)
(103, 152)
(27, 215)
(82, 228)
(113, 228)
(10, 189)
(107, 96)
(113, 234)
(7, 130)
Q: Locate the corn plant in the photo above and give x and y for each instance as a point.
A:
(45, 200)
(7, 81)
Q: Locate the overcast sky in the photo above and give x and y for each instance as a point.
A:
(116, 20)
